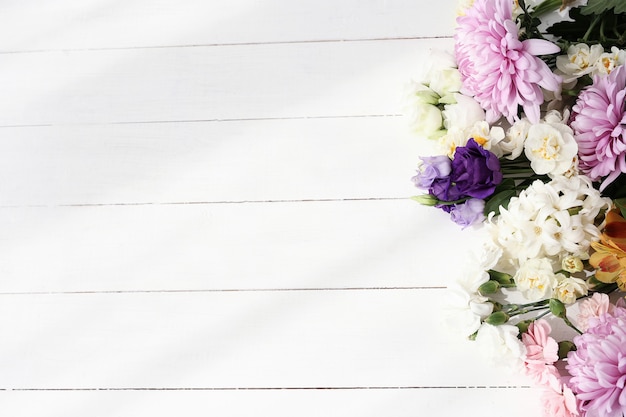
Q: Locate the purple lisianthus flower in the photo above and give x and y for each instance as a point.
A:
(431, 169)
(468, 213)
(475, 172)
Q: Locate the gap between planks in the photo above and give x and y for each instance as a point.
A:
(355, 388)
(224, 290)
(226, 44)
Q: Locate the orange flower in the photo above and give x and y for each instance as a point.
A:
(609, 257)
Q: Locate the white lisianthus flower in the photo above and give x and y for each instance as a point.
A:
(536, 279)
(501, 344)
(581, 59)
(425, 118)
(513, 144)
(609, 61)
(463, 114)
(550, 147)
(569, 289)
(446, 81)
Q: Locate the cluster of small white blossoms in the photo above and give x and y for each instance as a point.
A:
(549, 227)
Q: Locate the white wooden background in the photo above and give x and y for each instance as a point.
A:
(203, 212)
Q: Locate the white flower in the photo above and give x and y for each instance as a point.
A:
(486, 136)
(463, 114)
(609, 61)
(425, 118)
(445, 81)
(513, 143)
(501, 345)
(581, 59)
(466, 310)
(549, 220)
(569, 289)
(572, 264)
(536, 279)
(551, 147)
(462, 6)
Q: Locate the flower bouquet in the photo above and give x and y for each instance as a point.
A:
(529, 114)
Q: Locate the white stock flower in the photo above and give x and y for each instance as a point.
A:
(536, 279)
(609, 61)
(501, 345)
(550, 147)
(569, 289)
(581, 59)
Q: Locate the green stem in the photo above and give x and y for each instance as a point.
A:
(593, 25)
(545, 7)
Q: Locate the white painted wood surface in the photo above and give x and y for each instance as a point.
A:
(203, 211)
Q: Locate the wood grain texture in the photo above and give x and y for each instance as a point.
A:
(92, 24)
(256, 160)
(327, 244)
(209, 83)
(440, 402)
(229, 340)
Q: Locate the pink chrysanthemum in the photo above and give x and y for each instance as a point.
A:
(598, 366)
(599, 124)
(497, 69)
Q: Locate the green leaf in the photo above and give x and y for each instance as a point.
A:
(499, 199)
(597, 6)
(621, 205)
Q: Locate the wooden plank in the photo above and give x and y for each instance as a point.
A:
(67, 24)
(209, 83)
(378, 243)
(208, 162)
(305, 403)
(230, 340)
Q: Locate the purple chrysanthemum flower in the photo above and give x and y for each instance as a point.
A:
(598, 366)
(497, 69)
(599, 124)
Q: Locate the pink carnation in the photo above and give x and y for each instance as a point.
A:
(559, 403)
(497, 69)
(598, 366)
(599, 124)
(593, 307)
(541, 353)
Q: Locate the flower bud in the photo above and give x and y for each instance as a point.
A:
(426, 199)
(497, 318)
(557, 308)
(501, 277)
(565, 347)
(489, 287)
(523, 326)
